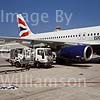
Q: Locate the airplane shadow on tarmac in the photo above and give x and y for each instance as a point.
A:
(71, 64)
(82, 64)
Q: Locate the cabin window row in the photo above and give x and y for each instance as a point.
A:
(58, 37)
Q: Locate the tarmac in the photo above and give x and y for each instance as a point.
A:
(60, 82)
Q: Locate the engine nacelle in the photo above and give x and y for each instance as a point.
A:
(83, 52)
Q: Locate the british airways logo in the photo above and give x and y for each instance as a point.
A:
(96, 37)
(22, 28)
(21, 22)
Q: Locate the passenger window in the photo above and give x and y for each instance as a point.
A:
(94, 33)
(97, 33)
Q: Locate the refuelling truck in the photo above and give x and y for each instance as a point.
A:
(36, 57)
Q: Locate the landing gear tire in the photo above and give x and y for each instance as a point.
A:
(37, 65)
(17, 64)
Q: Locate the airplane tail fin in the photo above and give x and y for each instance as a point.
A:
(23, 27)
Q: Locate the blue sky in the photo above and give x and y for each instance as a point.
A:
(84, 13)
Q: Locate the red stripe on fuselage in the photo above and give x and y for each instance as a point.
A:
(21, 22)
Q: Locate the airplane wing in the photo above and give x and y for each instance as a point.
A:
(7, 39)
(35, 41)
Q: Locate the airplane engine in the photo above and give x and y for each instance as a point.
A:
(82, 52)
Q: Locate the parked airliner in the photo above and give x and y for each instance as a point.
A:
(82, 42)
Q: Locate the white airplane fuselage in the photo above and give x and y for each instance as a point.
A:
(89, 35)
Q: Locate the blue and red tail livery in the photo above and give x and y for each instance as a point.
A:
(23, 27)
